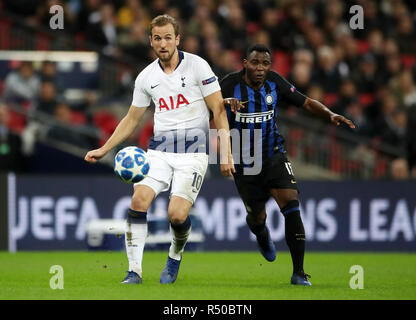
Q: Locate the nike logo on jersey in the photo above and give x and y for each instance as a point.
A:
(152, 87)
(292, 181)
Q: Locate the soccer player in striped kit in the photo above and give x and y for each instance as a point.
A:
(183, 89)
(253, 97)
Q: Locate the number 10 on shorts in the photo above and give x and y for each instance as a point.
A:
(197, 181)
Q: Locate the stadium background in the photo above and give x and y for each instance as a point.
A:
(64, 91)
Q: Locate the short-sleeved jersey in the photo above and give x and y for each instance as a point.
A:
(179, 102)
(260, 113)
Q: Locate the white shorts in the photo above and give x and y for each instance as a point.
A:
(186, 171)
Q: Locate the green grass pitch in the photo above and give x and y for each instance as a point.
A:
(207, 276)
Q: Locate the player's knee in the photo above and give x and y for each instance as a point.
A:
(140, 202)
(176, 219)
(256, 216)
(290, 206)
(254, 220)
(176, 215)
(261, 217)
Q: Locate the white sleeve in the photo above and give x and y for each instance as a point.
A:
(207, 80)
(140, 97)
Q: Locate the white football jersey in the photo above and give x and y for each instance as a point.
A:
(178, 97)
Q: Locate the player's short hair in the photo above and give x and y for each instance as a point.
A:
(163, 20)
(257, 47)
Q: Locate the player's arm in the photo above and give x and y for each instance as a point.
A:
(293, 96)
(215, 103)
(124, 129)
(319, 109)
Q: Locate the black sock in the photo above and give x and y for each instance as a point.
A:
(182, 227)
(138, 217)
(180, 235)
(295, 234)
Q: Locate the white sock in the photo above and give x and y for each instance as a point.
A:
(178, 243)
(135, 239)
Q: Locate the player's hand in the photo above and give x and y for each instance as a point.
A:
(94, 155)
(338, 119)
(227, 167)
(233, 103)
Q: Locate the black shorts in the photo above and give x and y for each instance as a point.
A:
(254, 190)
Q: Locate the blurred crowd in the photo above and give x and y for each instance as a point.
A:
(30, 92)
(367, 74)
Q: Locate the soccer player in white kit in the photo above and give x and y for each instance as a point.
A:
(182, 86)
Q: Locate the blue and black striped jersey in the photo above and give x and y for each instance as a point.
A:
(260, 113)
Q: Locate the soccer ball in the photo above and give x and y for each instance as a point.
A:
(131, 164)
